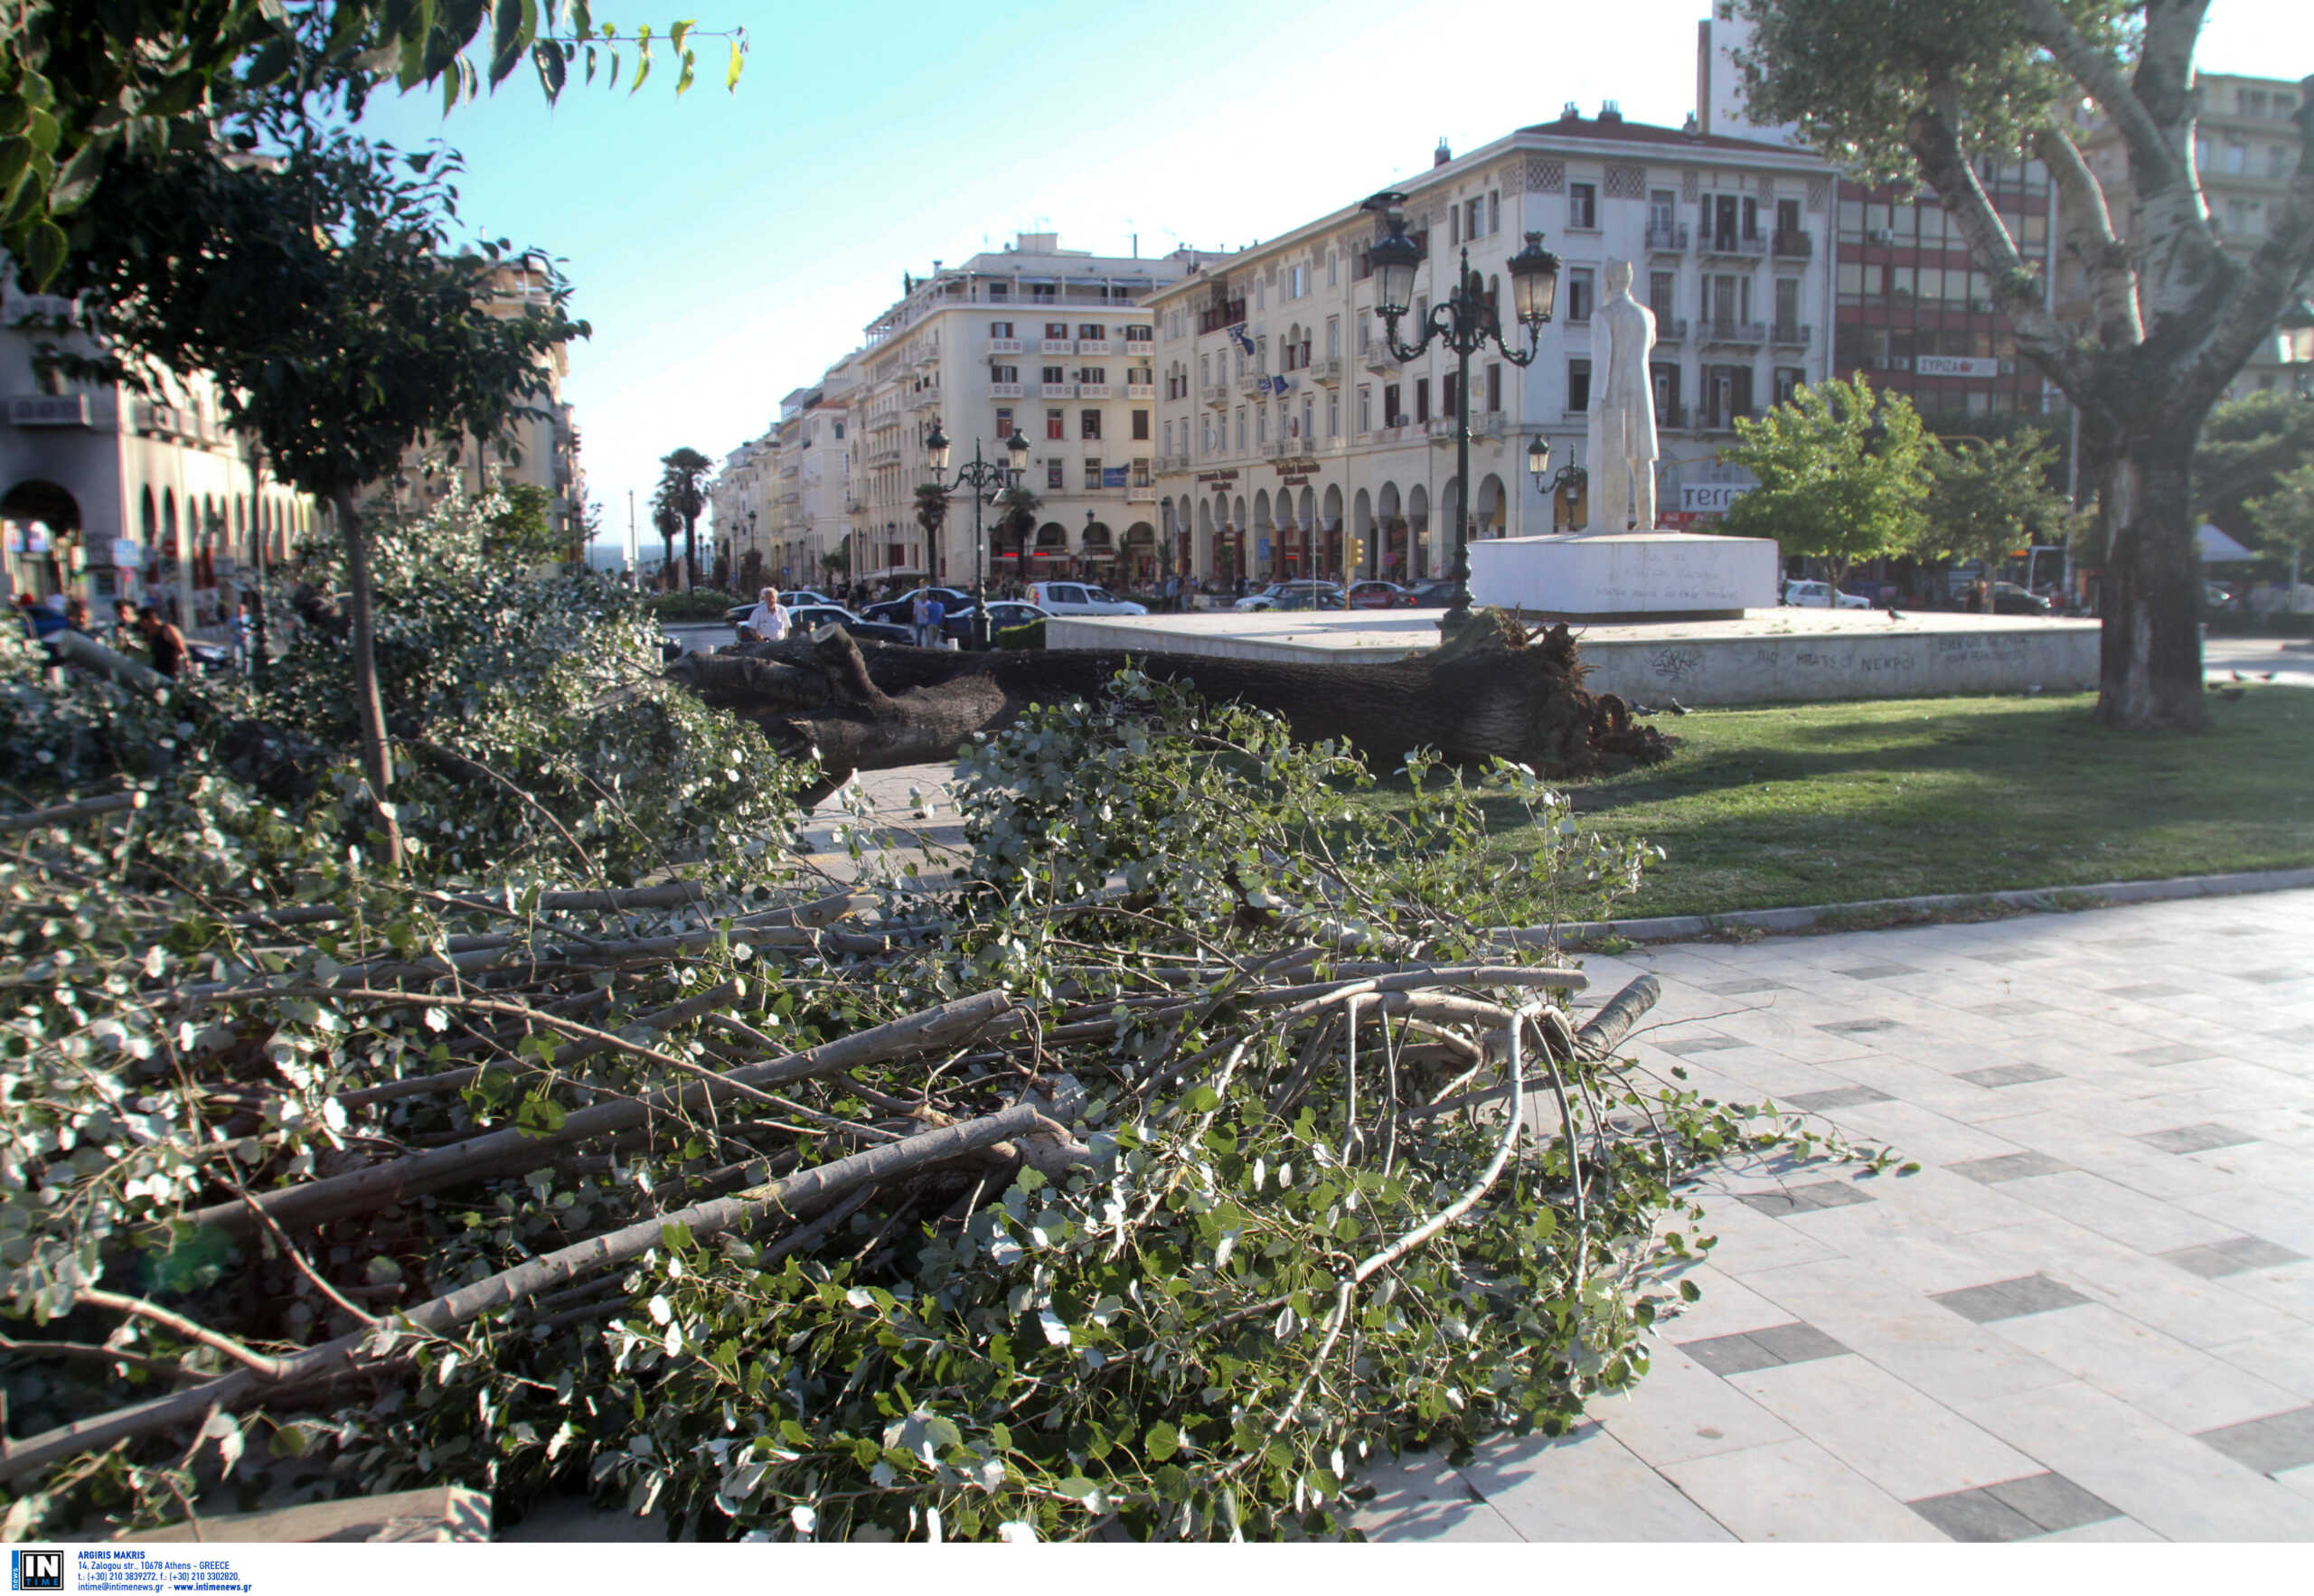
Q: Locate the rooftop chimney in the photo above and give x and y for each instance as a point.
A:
(1691, 129)
(1609, 111)
(1443, 155)
(1570, 114)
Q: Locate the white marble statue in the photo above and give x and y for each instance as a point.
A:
(1622, 491)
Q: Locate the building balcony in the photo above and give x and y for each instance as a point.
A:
(1670, 328)
(1793, 334)
(1093, 346)
(927, 398)
(1277, 448)
(1141, 349)
(1057, 346)
(1668, 240)
(159, 420)
(1216, 394)
(1796, 244)
(1171, 465)
(1725, 420)
(1055, 391)
(1145, 390)
(1253, 382)
(1093, 389)
(889, 454)
(1672, 418)
(1379, 356)
(1004, 391)
(1490, 424)
(1733, 246)
(48, 410)
(1004, 346)
(1747, 335)
(1141, 492)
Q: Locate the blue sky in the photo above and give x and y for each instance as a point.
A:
(727, 248)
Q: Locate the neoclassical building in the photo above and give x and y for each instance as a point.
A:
(1056, 343)
(1291, 440)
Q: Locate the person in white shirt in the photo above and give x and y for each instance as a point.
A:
(768, 622)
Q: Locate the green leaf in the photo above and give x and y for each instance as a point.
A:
(675, 34)
(44, 252)
(42, 129)
(683, 81)
(552, 68)
(540, 1116)
(643, 65)
(731, 73)
(15, 159)
(1162, 1441)
(515, 20)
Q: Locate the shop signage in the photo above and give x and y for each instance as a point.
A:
(1710, 498)
(1113, 476)
(1292, 479)
(1228, 476)
(1953, 365)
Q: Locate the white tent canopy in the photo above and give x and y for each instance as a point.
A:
(2219, 549)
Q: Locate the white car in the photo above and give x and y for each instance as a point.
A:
(1080, 598)
(1821, 595)
(1305, 589)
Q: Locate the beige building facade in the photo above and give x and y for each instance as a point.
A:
(1291, 440)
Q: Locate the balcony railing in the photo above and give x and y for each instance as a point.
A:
(1004, 346)
(1092, 346)
(1141, 492)
(1141, 390)
(1171, 465)
(1214, 318)
(1734, 244)
(1718, 420)
(1278, 448)
(1142, 349)
(1490, 424)
(49, 410)
(1793, 243)
(887, 454)
(1092, 390)
(1004, 391)
(1671, 417)
(1378, 356)
(1668, 240)
(925, 398)
(1253, 382)
(1055, 391)
(1057, 346)
(1216, 394)
(1753, 334)
(1670, 328)
(1326, 368)
(160, 420)
(1798, 335)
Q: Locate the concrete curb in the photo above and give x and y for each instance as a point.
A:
(1689, 927)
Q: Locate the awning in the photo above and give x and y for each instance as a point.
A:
(2218, 547)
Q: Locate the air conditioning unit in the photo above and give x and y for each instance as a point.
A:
(1881, 235)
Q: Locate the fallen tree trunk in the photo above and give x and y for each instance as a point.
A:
(1496, 690)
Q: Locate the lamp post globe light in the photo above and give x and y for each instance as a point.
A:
(986, 479)
(1465, 322)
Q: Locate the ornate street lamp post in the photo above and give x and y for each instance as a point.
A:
(2296, 325)
(986, 479)
(1465, 322)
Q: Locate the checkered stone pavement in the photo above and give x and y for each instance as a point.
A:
(2089, 1315)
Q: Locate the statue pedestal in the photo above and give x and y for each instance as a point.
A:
(1626, 575)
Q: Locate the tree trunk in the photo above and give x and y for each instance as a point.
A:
(2150, 656)
(1497, 690)
(691, 553)
(369, 707)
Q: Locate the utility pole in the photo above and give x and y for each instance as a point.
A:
(634, 549)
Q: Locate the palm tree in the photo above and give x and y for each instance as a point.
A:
(682, 488)
(1016, 514)
(931, 514)
(667, 523)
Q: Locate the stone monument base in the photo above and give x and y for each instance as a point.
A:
(1626, 575)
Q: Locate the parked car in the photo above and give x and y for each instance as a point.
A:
(1268, 599)
(1376, 594)
(1080, 598)
(903, 608)
(806, 618)
(1311, 598)
(1002, 612)
(2009, 599)
(215, 658)
(1821, 595)
(1435, 593)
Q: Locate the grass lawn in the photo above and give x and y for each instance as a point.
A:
(1808, 803)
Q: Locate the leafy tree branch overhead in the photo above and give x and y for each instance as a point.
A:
(85, 88)
(1921, 91)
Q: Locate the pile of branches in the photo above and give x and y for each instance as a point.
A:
(1201, 1132)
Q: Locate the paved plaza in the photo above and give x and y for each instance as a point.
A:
(2089, 1315)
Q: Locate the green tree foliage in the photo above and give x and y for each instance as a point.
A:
(1988, 499)
(1843, 472)
(931, 510)
(2249, 445)
(2284, 520)
(1016, 515)
(1919, 92)
(397, 338)
(86, 90)
(681, 493)
(522, 534)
